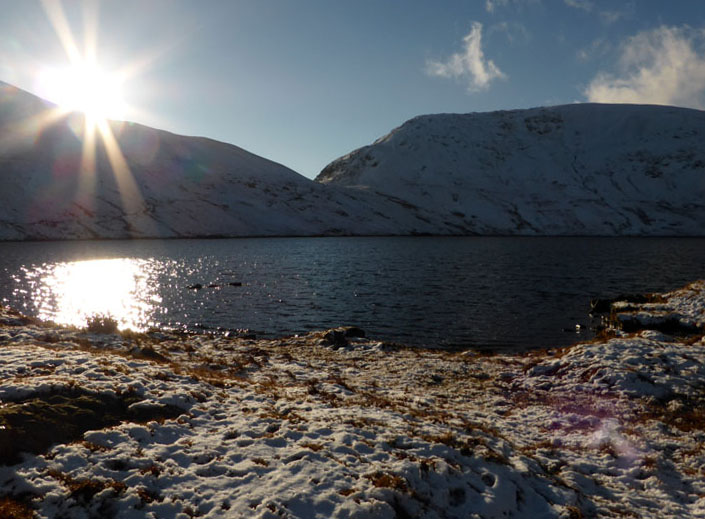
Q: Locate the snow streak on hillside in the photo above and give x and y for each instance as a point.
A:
(578, 169)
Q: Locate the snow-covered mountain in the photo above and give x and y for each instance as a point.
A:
(158, 185)
(582, 169)
(578, 169)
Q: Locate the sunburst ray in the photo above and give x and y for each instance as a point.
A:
(95, 124)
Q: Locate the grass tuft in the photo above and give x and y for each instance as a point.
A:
(101, 324)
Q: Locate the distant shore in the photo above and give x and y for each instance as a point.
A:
(335, 424)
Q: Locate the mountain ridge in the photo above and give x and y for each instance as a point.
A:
(166, 185)
(582, 169)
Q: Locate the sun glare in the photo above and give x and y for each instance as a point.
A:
(73, 292)
(85, 88)
(93, 84)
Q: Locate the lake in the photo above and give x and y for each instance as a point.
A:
(484, 292)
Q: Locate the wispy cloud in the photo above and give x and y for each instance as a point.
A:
(585, 5)
(597, 49)
(470, 64)
(515, 32)
(609, 16)
(661, 66)
(492, 5)
(616, 12)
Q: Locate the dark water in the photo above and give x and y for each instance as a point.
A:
(470, 292)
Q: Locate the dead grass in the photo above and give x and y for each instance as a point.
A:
(387, 480)
(340, 381)
(689, 417)
(101, 324)
(362, 422)
(94, 447)
(11, 508)
(83, 490)
(574, 512)
(622, 512)
(315, 447)
(447, 438)
(149, 496)
(152, 469)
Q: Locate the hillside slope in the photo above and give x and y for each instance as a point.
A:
(583, 169)
(578, 169)
(158, 185)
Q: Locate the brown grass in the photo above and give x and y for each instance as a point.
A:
(84, 490)
(149, 496)
(447, 438)
(10, 508)
(574, 512)
(690, 418)
(101, 324)
(386, 480)
(315, 447)
(340, 381)
(152, 469)
(94, 447)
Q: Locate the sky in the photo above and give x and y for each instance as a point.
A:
(304, 82)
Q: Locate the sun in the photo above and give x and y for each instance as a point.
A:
(85, 87)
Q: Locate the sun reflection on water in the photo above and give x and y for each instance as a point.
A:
(71, 293)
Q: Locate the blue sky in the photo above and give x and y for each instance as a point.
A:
(303, 82)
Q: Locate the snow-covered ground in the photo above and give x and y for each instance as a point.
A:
(331, 424)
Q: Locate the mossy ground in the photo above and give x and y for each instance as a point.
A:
(34, 424)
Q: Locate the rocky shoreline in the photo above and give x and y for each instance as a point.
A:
(333, 424)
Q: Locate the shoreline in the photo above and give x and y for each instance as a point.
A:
(333, 424)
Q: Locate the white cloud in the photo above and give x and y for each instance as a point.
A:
(660, 66)
(607, 16)
(610, 17)
(515, 32)
(585, 5)
(492, 5)
(470, 64)
(597, 49)
(623, 10)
